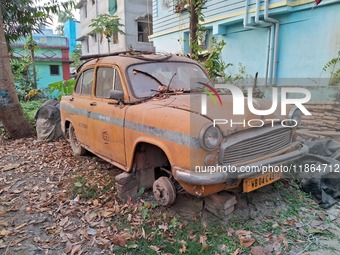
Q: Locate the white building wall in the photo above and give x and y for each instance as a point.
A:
(128, 11)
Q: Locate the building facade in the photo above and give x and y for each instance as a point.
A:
(51, 59)
(72, 32)
(287, 42)
(135, 15)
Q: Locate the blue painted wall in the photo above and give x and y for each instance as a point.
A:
(308, 37)
(44, 75)
(71, 31)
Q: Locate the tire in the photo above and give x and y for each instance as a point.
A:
(77, 149)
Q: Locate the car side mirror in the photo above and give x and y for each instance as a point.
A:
(117, 95)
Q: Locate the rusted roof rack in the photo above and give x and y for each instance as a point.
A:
(128, 52)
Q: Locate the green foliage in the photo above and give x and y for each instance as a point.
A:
(64, 15)
(214, 64)
(212, 59)
(75, 56)
(28, 16)
(334, 66)
(91, 187)
(30, 109)
(240, 76)
(22, 70)
(61, 88)
(107, 26)
(22, 75)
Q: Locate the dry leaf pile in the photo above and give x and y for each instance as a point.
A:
(54, 203)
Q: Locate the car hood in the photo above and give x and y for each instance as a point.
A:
(223, 111)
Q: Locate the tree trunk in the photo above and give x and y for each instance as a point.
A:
(35, 85)
(193, 29)
(11, 114)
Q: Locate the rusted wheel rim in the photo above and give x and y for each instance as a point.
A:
(164, 191)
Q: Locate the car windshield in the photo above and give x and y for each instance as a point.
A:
(146, 78)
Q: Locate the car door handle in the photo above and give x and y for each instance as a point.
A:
(93, 104)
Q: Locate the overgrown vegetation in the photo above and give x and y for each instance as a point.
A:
(61, 88)
(144, 227)
(23, 69)
(211, 58)
(107, 26)
(75, 56)
(334, 67)
(30, 109)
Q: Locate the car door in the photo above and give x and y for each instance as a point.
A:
(107, 116)
(81, 101)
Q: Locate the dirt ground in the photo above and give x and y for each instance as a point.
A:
(54, 203)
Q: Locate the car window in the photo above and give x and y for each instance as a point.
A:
(108, 78)
(78, 84)
(118, 82)
(87, 82)
(147, 77)
(104, 83)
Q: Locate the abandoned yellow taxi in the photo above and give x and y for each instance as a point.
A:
(160, 118)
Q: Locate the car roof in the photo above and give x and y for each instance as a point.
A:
(125, 60)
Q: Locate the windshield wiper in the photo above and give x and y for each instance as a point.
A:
(148, 75)
(168, 87)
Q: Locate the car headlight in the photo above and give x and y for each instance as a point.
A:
(295, 114)
(210, 137)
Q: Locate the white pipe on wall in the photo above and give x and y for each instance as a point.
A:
(276, 41)
(270, 42)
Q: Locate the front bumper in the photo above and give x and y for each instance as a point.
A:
(199, 178)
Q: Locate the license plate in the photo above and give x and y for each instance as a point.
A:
(259, 181)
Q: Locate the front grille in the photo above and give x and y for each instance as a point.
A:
(253, 144)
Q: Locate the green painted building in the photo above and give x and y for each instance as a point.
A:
(51, 59)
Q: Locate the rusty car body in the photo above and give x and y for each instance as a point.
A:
(142, 114)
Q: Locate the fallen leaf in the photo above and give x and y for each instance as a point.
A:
(44, 209)
(289, 223)
(68, 247)
(5, 232)
(267, 235)
(20, 226)
(237, 252)
(132, 246)
(118, 240)
(203, 241)
(9, 167)
(243, 233)
(183, 249)
(259, 250)
(283, 240)
(90, 216)
(223, 248)
(75, 249)
(231, 231)
(107, 213)
(155, 248)
(63, 221)
(192, 235)
(314, 231)
(247, 242)
(17, 191)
